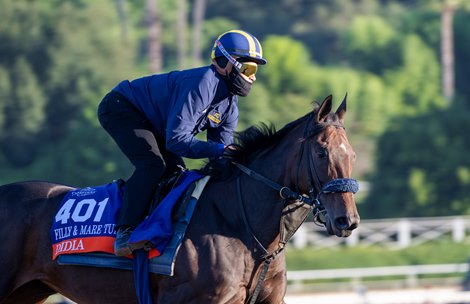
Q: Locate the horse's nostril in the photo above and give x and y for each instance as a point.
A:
(342, 223)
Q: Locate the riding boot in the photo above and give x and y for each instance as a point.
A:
(121, 247)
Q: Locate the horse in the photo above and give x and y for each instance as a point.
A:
(234, 231)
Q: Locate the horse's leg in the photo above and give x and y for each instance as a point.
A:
(275, 284)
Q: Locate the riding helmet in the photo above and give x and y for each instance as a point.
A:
(239, 43)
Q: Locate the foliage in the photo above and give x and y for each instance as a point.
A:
(49, 78)
(462, 55)
(58, 58)
(287, 76)
(433, 178)
(372, 44)
(417, 80)
(318, 24)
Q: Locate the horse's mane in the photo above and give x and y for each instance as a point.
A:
(248, 143)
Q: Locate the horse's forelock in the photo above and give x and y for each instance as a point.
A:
(333, 118)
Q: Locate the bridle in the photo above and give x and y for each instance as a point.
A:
(338, 185)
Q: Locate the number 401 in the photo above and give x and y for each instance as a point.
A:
(81, 211)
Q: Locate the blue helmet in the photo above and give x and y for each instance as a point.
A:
(239, 43)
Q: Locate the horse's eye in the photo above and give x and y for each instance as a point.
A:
(322, 153)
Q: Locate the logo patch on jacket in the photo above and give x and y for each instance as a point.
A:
(214, 117)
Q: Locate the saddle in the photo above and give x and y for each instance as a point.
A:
(165, 186)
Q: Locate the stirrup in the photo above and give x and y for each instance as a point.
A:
(146, 245)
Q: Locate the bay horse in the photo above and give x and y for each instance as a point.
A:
(235, 224)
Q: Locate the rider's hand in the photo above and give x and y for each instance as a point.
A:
(230, 152)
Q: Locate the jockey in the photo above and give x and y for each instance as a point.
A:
(154, 120)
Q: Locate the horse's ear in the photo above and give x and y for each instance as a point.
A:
(325, 108)
(342, 109)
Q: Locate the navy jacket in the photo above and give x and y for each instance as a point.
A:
(181, 104)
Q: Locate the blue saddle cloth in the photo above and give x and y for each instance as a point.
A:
(158, 228)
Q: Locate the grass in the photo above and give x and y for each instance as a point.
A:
(442, 252)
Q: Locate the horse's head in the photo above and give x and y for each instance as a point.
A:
(318, 165)
(330, 160)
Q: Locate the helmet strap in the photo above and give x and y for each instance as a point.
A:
(237, 65)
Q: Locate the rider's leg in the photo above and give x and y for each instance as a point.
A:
(134, 136)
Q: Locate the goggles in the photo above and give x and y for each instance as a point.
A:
(246, 68)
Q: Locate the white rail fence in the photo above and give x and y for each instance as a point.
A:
(358, 273)
(394, 233)
(410, 272)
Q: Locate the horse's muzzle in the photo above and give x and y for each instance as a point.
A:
(343, 223)
(341, 226)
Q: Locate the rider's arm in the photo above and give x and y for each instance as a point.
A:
(224, 132)
(190, 104)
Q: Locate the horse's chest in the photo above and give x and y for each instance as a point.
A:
(219, 268)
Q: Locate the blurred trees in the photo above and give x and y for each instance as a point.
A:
(154, 33)
(198, 20)
(423, 168)
(58, 58)
(50, 84)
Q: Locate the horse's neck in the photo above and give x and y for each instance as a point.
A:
(263, 204)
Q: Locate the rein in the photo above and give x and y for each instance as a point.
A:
(339, 185)
(284, 192)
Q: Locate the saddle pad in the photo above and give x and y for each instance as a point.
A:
(163, 264)
(85, 220)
